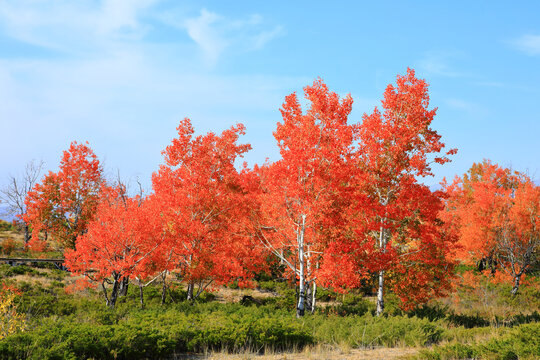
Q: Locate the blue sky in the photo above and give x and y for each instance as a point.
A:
(121, 74)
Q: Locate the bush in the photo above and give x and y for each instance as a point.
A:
(157, 333)
(6, 226)
(84, 341)
(8, 245)
(8, 271)
(267, 286)
(520, 342)
(369, 331)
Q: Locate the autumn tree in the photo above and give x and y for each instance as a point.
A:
(300, 192)
(202, 208)
(397, 148)
(63, 203)
(119, 244)
(495, 213)
(14, 194)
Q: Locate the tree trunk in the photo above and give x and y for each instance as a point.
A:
(141, 295)
(380, 294)
(123, 290)
(314, 299)
(114, 291)
(164, 289)
(515, 289)
(105, 292)
(380, 289)
(26, 234)
(300, 309)
(308, 305)
(191, 286)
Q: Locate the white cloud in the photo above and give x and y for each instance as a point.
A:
(438, 63)
(73, 26)
(119, 15)
(264, 37)
(203, 32)
(214, 33)
(528, 43)
(473, 110)
(111, 84)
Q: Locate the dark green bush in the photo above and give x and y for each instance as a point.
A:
(8, 270)
(6, 226)
(468, 321)
(268, 285)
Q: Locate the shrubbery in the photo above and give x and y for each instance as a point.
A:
(520, 342)
(370, 331)
(71, 326)
(156, 333)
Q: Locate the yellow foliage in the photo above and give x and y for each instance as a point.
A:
(10, 320)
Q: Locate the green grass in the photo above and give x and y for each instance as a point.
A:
(74, 326)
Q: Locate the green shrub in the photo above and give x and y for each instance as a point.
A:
(368, 331)
(6, 226)
(326, 294)
(131, 333)
(268, 285)
(468, 321)
(21, 270)
(520, 342)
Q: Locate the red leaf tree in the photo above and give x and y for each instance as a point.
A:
(202, 208)
(396, 148)
(495, 213)
(119, 244)
(64, 202)
(299, 195)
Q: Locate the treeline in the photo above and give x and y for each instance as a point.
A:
(343, 207)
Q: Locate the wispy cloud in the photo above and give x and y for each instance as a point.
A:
(474, 110)
(439, 63)
(121, 16)
(203, 31)
(214, 33)
(111, 83)
(73, 27)
(528, 43)
(490, 84)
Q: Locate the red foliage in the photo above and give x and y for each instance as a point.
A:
(202, 208)
(120, 240)
(495, 213)
(401, 232)
(64, 202)
(302, 194)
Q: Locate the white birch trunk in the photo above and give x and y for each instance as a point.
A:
(380, 289)
(314, 299)
(300, 309)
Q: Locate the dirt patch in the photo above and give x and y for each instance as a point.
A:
(227, 295)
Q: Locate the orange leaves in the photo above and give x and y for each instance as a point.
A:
(64, 202)
(305, 185)
(119, 240)
(402, 233)
(203, 205)
(495, 213)
(400, 139)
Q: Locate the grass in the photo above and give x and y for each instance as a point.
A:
(472, 322)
